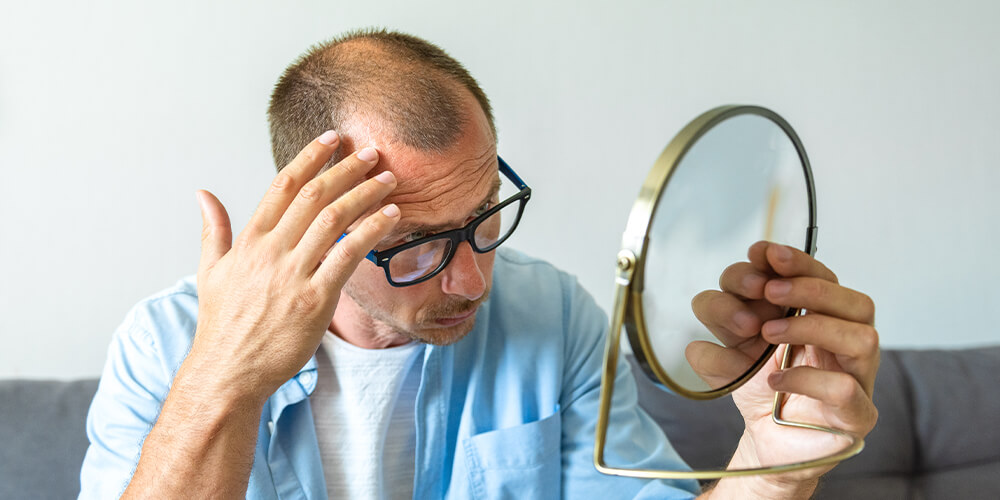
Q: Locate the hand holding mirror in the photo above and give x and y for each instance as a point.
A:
(734, 176)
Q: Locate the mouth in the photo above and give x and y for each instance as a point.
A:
(454, 320)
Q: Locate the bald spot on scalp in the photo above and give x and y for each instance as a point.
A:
(390, 95)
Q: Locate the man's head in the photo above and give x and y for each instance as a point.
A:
(373, 78)
(433, 127)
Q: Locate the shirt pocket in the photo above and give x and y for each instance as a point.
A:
(517, 462)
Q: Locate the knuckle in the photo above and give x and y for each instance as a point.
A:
(844, 391)
(833, 275)
(816, 288)
(329, 218)
(244, 242)
(282, 183)
(311, 192)
(872, 419)
(241, 243)
(344, 253)
(307, 300)
(257, 225)
(868, 338)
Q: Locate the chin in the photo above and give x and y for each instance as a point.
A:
(444, 335)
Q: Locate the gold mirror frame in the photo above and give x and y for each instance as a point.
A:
(627, 309)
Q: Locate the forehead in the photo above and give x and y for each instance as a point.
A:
(439, 190)
(435, 188)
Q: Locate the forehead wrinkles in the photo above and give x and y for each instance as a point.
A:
(446, 193)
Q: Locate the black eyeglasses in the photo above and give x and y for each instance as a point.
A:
(421, 259)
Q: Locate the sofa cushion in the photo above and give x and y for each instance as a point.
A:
(936, 436)
(42, 428)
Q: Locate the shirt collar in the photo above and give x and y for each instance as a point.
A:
(294, 390)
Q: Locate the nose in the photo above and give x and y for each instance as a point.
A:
(463, 276)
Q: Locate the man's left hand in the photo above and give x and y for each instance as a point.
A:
(832, 374)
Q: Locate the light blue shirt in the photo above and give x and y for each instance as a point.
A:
(507, 412)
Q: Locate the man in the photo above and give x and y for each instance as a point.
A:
(442, 368)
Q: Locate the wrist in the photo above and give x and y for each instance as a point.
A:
(786, 485)
(205, 384)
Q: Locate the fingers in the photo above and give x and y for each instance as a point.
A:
(855, 345)
(216, 230)
(821, 296)
(717, 365)
(758, 257)
(744, 280)
(333, 220)
(290, 180)
(730, 319)
(345, 256)
(783, 260)
(320, 192)
(846, 401)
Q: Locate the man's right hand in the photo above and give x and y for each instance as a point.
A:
(264, 302)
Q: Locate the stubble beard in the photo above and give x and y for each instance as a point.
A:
(382, 320)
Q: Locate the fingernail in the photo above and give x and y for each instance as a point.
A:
(385, 177)
(783, 253)
(329, 137)
(390, 210)
(776, 327)
(775, 377)
(778, 288)
(368, 154)
(744, 319)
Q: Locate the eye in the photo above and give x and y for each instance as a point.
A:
(416, 235)
(485, 207)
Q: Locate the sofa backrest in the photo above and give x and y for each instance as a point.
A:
(43, 437)
(936, 436)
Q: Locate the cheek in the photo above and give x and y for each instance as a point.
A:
(369, 286)
(368, 280)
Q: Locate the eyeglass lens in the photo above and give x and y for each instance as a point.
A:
(419, 261)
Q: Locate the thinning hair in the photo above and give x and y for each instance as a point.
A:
(410, 87)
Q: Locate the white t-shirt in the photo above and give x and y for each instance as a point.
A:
(363, 407)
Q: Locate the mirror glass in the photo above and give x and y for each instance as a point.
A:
(741, 182)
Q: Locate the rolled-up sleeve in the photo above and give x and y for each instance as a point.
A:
(132, 388)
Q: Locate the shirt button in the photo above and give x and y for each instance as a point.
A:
(306, 378)
(270, 426)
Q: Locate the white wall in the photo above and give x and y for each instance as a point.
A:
(112, 114)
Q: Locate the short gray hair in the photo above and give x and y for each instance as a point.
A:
(411, 85)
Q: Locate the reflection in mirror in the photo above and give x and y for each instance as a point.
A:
(741, 182)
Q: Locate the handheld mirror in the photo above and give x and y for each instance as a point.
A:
(734, 176)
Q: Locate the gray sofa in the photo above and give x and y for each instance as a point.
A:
(937, 435)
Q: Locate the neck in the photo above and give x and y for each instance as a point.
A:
(352, 324)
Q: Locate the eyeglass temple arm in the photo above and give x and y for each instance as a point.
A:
(509, 172)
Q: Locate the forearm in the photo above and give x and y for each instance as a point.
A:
(202, 444)
(786, 486)
(756, 487)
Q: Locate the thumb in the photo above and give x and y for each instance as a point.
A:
(216, 231)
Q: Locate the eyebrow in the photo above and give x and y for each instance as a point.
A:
(403, 229)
